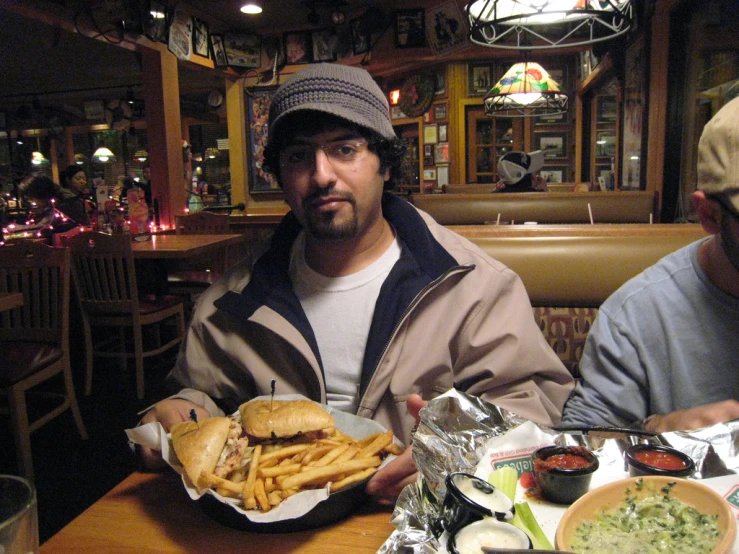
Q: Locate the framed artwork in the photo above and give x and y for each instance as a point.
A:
(156, 28)
(606, 109)
(428, 161)
(243, 49)
(322, 45)
(553, 144)
(218, 50)
(479, 79)
(429, 175)
(298, 47)
(634, 106)
(397, 113)
(445, 28)
(428, 150)
(440, 83)
(200, 38)
(442, 175)
(442, 133)
(553, 174)
(360, 36)
(410, 28)
(260, 181)
(427, 117)
(180, 35)
(430, 134)
(440, 112)
(605, 144)
(441, 153)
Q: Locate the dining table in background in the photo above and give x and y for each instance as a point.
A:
(155, 253)
(152, 512)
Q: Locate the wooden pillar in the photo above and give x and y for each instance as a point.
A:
(163, 129)
(237, 140)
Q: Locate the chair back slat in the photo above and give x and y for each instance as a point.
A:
(42, 274)
(104, 272)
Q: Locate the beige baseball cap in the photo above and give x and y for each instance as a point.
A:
(718, 155)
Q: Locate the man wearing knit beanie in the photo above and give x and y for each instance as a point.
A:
(359, 300)
(663, 349)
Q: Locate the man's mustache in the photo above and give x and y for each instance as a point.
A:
(329, 192)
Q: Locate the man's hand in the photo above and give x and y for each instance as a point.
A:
(391, 479)
(694, 418)
(167, 412)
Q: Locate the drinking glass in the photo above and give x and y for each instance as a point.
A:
(18, 516)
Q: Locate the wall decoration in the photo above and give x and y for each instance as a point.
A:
(322, 45)
(430, 134)
(552, 175)
(416, 95)
(360, 36)
(200, 37)
(440, 112)
(396, 113)
(442, 133)
(440, 82)
(155, 28)
(260, 181)
(243, 49)
(428, 161)
(553, 144)
(218, 50)
(410, 28)
(298, 47)
(635, 91)
(94, 109)
(479, 79)
(429, 175)
(445, 28)
(442, 175)
(180, 35)
(441, 153)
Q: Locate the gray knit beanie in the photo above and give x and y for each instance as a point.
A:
(341, 90)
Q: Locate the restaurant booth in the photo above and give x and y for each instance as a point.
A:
(620, 105)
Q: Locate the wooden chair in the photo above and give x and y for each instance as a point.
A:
(201, 272)
(105, 281)
(34, 338)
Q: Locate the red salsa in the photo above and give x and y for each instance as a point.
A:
(659, 459)
(573, 460)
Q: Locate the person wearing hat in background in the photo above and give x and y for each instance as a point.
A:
(360, 300)
(517, 172)
(663, 350)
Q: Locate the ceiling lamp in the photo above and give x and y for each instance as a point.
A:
(37, 158)
(103, 155)
(540, 24)
(526, 90)
(140, 155)
(252, 7)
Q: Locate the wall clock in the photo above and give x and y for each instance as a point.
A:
(416, 95)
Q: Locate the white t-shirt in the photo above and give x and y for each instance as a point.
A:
(340, 310)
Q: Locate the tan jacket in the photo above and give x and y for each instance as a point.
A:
(448, 316)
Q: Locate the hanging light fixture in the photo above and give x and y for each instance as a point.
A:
(252, 7)
(103, 155)
(37, 157)
(526, 90)
(140, 155)
(546, 24)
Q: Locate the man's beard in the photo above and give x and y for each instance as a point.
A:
(325, 225)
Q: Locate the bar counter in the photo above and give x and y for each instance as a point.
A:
(151, 512)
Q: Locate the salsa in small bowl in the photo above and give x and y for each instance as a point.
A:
(651, 459)
(563, 473)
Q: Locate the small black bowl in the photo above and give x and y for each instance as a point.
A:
(469, 498)
(474, 531)
(563, 485)
(641, 466)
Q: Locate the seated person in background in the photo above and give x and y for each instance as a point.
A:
(517, 172)
(663, 350)
(40, 195)
(359, 300)
(72, 194)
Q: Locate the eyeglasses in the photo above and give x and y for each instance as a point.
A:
(302, 156)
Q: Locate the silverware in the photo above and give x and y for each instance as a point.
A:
(604, 432)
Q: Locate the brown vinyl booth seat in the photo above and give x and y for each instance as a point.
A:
(568, 277)
(542, 207)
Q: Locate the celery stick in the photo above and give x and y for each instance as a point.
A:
(505, 479)
(525, 520)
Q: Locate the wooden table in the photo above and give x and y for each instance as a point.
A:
(152, 513)
(10, 300)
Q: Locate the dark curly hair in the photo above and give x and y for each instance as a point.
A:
(392, 152)
(70, 171)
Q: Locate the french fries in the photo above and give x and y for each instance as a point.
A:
(276, 472)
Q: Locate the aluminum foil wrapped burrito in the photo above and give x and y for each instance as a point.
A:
(459, 432)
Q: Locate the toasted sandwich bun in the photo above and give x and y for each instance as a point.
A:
(199, 445)
(281, 419)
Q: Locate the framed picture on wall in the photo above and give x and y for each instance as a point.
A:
(441, 153)
(200, 38)
(429, 175)
(218, 50)
(322, 45)
(360, 36)
(243, 49)
(396, 113)
(410, 28)
(430, 134)
(261, 183)
(479, 79)
(442, 133)
(440, 112)
(553, 144)
(634, 106)
(553, 174)
(442, 175)
(298, 47)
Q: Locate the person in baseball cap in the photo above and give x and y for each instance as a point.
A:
(662, 352)
(517, 172)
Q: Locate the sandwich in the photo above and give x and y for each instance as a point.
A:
(281, 420)
(213, 446)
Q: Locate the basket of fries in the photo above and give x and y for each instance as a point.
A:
(293, 484)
